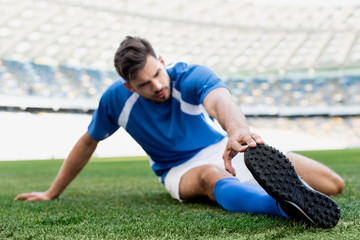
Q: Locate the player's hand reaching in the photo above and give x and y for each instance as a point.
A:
(238, 142)
(33, 196)
(220, 105)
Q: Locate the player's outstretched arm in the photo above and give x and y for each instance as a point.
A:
(74, 163)
(219, 104)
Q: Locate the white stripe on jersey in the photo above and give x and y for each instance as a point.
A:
(125, 113)
(192, 109)
(188, 108)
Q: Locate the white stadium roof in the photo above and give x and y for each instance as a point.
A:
(230, 36)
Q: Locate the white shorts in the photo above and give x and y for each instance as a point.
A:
(210, 155)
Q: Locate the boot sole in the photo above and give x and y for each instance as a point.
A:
(275, 173)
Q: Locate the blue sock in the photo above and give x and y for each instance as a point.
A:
(235, 196)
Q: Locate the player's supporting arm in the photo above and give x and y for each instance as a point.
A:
(74, 163)
(219, 104)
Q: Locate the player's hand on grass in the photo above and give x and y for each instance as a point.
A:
(238, 142)
(33, 196)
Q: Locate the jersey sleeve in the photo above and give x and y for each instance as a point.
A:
(200, 81)
(104, 120)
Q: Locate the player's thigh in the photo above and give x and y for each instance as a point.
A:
(316, 174)
(305, 166)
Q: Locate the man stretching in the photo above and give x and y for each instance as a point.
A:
(170, 111)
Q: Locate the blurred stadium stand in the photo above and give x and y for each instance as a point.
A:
(24, 85)
(291, 66)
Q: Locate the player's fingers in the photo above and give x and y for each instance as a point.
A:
(228, 156)
(33, 199)
(243, 148)
(230, 169)
(257, 138)
(233, 145)
(249, 141)
(22, 196)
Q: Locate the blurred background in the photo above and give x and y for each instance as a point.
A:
(293, 67)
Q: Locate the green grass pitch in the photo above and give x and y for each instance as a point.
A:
(122, 199)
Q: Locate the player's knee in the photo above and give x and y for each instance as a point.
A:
(207, 173)
(209, 177)
(334, 185)
(339, 185)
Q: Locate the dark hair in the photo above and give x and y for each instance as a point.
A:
(130, 57)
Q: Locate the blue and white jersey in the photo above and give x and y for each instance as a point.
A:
(171, 132)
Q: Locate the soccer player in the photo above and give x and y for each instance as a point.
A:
(171, 111)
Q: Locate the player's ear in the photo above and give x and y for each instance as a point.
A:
(128, 86)
(162, 60)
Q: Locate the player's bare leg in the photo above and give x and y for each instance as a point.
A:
(317, 175)
(200, 181)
